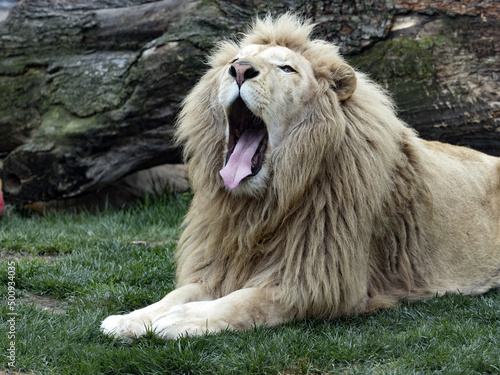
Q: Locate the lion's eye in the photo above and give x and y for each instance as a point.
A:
(287, 69)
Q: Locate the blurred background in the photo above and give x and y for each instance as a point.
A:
(90, 89)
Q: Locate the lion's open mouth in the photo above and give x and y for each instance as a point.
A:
(246, 147)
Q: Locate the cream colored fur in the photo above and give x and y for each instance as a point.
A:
(351, 212)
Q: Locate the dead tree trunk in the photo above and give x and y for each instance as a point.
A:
(89, 89)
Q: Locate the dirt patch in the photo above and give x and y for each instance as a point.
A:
(45, 303)
(149, 243)
(17, 256)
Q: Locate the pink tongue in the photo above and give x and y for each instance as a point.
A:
(239, 164)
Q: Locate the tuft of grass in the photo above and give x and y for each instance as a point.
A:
(94, 265)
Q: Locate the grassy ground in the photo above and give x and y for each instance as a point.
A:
(73, 270)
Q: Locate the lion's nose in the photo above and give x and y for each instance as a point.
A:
(241, 71)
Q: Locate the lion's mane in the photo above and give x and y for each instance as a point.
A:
(338, 228)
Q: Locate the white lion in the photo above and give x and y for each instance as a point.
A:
(312, 199)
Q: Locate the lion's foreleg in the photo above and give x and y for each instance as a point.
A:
(239, 310)
(138, 322)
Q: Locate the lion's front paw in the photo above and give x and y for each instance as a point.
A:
(127, 327)
(193, 319)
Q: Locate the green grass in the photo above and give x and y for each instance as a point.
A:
(88, 266)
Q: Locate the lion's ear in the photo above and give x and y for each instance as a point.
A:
(343, 80)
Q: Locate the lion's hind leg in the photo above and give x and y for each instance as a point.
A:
(139, 322)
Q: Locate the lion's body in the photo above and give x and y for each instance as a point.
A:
(343, 210)
(463, 231)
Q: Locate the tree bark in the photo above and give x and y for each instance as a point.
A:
(89, 89)
(443, 73)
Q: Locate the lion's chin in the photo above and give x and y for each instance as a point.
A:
(246, 147)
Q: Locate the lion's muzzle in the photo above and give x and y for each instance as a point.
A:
(241, 71)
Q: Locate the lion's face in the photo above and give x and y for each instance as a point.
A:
(268, 114)
(263, 91)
